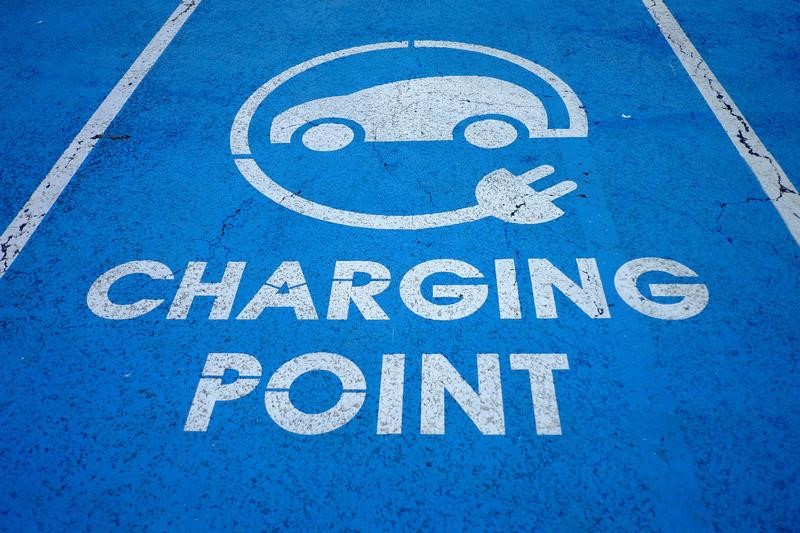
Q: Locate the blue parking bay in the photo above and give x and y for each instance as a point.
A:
(407, 265)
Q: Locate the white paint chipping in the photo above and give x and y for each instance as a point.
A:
(44, 197)
(780, 191)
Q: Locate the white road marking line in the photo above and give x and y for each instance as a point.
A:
(41, 201)
(780, 191)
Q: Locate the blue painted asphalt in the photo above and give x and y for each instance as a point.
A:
(684, 424)
(59, 62)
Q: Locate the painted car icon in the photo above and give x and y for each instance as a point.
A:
(491, 112)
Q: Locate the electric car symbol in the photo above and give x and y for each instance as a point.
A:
(494, 112)
(485, 111)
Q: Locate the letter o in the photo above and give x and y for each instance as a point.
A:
(287, 416)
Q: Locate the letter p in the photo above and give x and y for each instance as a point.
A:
(210, 388)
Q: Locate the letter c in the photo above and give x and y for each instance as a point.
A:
(97, 297)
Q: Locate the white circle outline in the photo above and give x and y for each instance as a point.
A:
(240, 146)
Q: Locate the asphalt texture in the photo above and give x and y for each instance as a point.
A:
(686, 420)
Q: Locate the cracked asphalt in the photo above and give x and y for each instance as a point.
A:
(669, 279)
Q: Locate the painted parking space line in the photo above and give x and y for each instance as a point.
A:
(25, 223)
(776, 184)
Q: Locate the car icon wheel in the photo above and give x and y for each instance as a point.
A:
(328, 137)
(490, 133)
